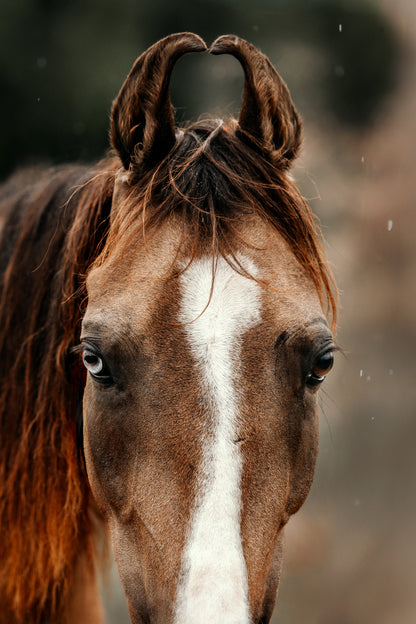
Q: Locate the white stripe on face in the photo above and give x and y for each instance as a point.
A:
(213, 586)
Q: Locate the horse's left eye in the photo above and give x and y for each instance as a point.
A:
(95, 366)
(321, 368)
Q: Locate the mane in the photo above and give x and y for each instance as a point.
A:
(55, 230)
(213, 179)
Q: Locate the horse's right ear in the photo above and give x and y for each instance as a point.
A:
(142, 122)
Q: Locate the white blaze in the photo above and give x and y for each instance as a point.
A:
(213, 586)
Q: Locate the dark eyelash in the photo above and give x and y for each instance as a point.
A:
(78, 349)
(338, 349)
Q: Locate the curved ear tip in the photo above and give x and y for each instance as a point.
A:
(224, 43)
(194, 43)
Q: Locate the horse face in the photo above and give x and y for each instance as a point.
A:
(200, 427)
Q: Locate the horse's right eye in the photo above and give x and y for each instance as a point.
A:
(95, 366)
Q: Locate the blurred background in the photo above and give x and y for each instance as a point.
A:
(350, 65)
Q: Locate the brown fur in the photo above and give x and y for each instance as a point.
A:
(56, 226)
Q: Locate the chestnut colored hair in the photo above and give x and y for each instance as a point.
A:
(57, 224)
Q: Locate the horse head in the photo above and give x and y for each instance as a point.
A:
(205, 343)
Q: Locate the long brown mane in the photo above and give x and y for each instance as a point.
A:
(54, 231)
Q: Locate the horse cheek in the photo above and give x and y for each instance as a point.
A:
(107, 455)
(303, 447)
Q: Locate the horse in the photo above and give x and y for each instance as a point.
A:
(166, 324)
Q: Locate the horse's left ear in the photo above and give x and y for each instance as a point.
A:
(268, 117)
(142, 122)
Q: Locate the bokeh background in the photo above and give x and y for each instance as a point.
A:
(350, 65)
